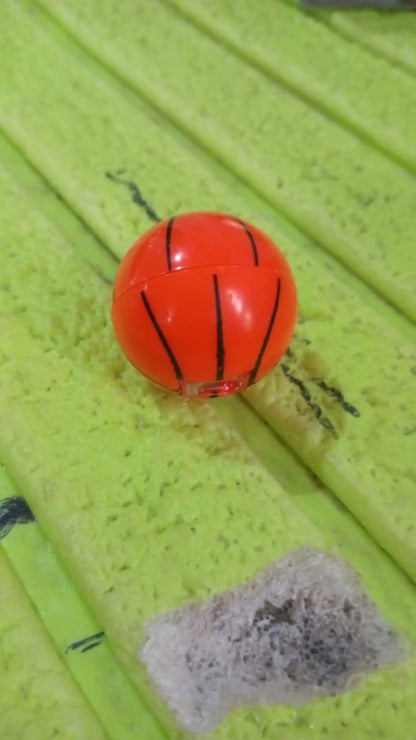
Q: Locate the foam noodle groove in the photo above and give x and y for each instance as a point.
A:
(303, 628)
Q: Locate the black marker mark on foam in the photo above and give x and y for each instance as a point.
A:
(169, 352)
(14, 510)
(220, 332)
(87, 643)
(252, 241)
(336, 393)
(267, 335)
(290, 352)
(306, 395)
(136, 195)
(168, 243)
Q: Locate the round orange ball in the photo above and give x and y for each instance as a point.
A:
(204, 304)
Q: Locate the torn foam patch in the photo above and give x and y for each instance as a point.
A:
(303, 628)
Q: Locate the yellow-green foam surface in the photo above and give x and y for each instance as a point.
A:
(339, 197)
(38, 699)
(150, 502)
(75, 633)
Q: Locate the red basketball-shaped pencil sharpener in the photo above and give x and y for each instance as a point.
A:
(204, 304)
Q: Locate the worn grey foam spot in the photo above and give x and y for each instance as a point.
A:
(302, 628)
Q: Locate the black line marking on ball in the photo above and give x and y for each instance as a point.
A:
(267, 335)
(14, 510)
(306, 395)
(136, 195)
(338, 395)
(220, 332)
(168, 242)
(87, 643)
(152, 317)
(252, 241)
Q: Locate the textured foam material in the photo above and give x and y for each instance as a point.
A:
(39, 700)
(339, 196)
(301, 629)
(343, 332)
(342, 78)
(150, 503)
(71, 628)
(394, 40)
